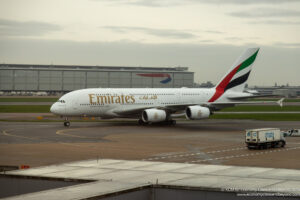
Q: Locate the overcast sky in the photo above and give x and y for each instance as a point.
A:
(204, 35)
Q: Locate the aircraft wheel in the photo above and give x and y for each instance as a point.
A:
(141, 122)
(67, 124)
(171, 122)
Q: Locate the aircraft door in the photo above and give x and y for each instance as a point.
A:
(178, 96)
(75, 104)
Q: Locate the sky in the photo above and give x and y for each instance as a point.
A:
(204, 35)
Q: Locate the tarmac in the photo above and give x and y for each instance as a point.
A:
(119, 159)
(218, 142)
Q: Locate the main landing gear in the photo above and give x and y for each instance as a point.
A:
(141, 122)
(171, 122)
(167, 122)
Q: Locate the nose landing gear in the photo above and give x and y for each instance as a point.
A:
(66, 122)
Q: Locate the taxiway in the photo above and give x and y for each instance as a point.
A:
(218, 142)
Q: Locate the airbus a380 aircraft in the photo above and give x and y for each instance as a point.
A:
(151, 105)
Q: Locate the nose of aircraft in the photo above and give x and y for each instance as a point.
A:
(54, 109)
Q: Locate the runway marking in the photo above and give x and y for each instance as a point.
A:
(193, 154)
(63, 132)
(218, 151)
(244, 155)
(5, 132)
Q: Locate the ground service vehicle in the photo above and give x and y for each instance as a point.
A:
(264, 138)
(292, 133)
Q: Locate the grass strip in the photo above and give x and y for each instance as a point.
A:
(244, 108)
(264, 117)
(24, 108)
(274, 99)
(261, 108)
(28, 99)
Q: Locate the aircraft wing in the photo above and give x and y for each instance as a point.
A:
(131, 111)
(180, 107)
(221, 105)
(137, 111)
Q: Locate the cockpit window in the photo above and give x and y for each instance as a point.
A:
(61, 101)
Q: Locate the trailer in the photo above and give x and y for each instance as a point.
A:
(264, 138)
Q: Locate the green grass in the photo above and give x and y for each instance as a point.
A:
(24, 108)
(244, 108)
(261, 108)
(72, 120)
(51, 99)
(265, 117)
(28, 99)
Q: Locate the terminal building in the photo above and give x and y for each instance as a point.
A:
(65, 78)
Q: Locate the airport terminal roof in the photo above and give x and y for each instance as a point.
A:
(97, 68)
(115, 176)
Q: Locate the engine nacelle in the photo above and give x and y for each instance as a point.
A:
(197, 112)
(154, 115)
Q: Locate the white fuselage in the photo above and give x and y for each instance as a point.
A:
(107, 103)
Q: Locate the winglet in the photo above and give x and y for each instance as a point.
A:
(280, 102)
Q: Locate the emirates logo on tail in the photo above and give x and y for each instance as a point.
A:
(237, 76)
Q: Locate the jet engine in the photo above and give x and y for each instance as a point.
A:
(197, 112)
(154, 115)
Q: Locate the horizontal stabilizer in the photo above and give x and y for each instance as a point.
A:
(250, 96)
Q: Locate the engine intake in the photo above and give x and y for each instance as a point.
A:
(154, 115)
(197, 112)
